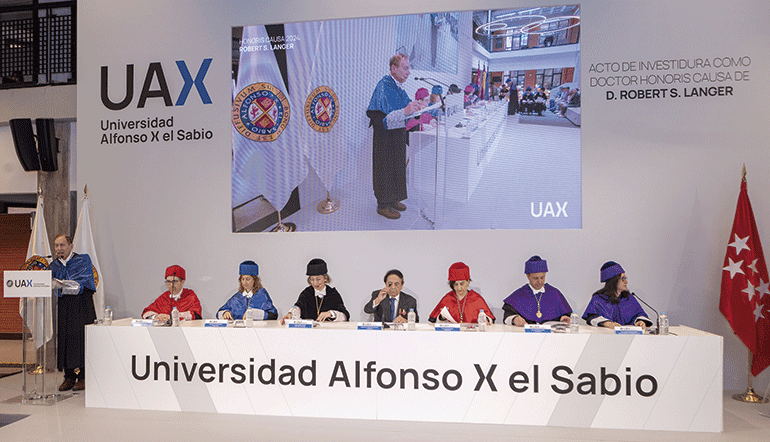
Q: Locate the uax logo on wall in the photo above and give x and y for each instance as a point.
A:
(156, 86)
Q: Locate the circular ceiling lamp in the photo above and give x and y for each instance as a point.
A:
(502, 24)
(527, 29)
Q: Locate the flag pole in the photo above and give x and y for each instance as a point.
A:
(282, 227)
(329, 205)
(749, 395)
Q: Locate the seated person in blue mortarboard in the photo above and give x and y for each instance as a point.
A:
(251, 295)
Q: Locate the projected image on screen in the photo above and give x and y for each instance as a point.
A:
(461, 120)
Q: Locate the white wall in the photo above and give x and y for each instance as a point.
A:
(660, 177)
(39, 102)
(13, 178)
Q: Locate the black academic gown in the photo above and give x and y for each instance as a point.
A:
(332, 301)
(74, 312)
(388, 161)
(388, 145)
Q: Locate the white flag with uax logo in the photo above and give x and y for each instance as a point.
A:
(315, 76)
(83, 243)
(267, 156)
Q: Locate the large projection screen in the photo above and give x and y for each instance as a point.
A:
(302, 135)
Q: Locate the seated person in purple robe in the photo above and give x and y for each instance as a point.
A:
(613, 305)
(536, 302)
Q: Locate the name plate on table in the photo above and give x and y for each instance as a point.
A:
(299, 323)
(141, 323)
(629, 330)
(370, 325)
(215, 323)
(27, 284)
(447, 326)
(537, 328)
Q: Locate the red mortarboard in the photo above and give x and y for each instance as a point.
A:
(175, 270)
(459, 272)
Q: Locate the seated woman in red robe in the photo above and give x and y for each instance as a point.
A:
(185, 300)
(461, 304)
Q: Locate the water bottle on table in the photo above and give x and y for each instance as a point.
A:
(175, 317)
(411, 318)
(574, 323)
(482, 321)
(248, 318)
(663, 324)
(108, 316)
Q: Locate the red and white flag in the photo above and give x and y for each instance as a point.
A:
(745, 298)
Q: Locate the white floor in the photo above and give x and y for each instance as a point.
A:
(501, 200)
(69, 420)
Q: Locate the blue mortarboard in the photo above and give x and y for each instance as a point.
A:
(437, 90)
(248, 268)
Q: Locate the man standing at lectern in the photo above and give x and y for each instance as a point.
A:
(387, 110)
(73, 281)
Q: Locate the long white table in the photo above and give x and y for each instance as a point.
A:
(503, 376)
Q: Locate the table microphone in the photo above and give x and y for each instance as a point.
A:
(384, 324)
(657, 316)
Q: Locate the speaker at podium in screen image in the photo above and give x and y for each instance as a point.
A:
(450, 120)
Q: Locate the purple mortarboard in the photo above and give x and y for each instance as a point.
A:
(535, 265)
(610, 269)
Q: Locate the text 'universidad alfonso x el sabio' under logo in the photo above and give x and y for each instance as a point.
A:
(155, 85)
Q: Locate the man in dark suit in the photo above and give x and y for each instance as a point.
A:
(390, 299)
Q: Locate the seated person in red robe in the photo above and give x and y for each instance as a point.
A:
(462, 304)
(185, 300)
